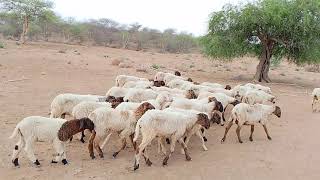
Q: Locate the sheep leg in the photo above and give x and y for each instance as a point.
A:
(226, 131)
(134, 144)
(82, 137)
(252, 129)
(161, 146)
(106, 140)
(146, 157)
(90, 145)
(187, 139)
(266, 130)
(124, 143)
(30, 153)
(184, 146)
(97, 147)
(61, 154)
(202, 141)
(145, 141)
(17, 149)
(172, 146)
(238, 133)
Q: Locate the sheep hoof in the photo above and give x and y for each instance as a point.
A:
(16, 162)
(205, 139)
(240, 141)
(92, 156)
(165, 161)
(269, 138)
(222, 140)
(64, 161)
(115, 154)
(148, 162)
(167, 140)
(250, 138)
(37, 163)
(54, 162)
(82, 140)
(101, 155)
(205, 149)
(136, 166)
(188, 158)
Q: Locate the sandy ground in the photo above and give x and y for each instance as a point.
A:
(292, 154)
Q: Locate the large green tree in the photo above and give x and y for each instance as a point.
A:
(268, 29)
(27, 10)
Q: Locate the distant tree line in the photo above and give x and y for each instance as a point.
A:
(34, 20)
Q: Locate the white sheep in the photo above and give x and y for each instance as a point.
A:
(165, 124)
(138, 84)
(109, 120)
(63, 103)
(177, 93)
(122, 79)
(55, 130)
(190, 132)
(179, 84)
(221, 97)
(316, 100)
(83, 110)
(245, 114)
(139, 95)
(258, 96)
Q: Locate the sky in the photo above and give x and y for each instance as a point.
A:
(183, 15)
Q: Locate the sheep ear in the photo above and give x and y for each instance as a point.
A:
(81, 124)
(315, 97)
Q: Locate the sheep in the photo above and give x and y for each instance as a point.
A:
(63, 103)
(139, 95)
(138, 84)
(195, 130)
(158, 103)
(83, 110)
(245, 114)
(259, 87)
(221, 97)
(113, 120)
(163, 124)
(166, 77)
(257, 96)
(170, 77)
(56, 130)
(122, 79)
(316, 100)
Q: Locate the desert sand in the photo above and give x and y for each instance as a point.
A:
(32, 75)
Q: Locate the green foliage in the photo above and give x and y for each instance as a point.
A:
(1, 45)
(292, 26)
(155, 66)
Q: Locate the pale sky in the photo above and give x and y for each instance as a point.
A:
(183, 15)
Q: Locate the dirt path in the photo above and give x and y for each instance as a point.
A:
(292, 154)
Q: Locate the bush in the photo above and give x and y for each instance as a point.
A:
(1, 45)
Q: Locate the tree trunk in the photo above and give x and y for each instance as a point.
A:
(25, 30)
(264, 64)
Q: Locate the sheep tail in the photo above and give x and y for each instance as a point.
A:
(15, 132)
(137, 131)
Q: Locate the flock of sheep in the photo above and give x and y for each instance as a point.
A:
(169, 107)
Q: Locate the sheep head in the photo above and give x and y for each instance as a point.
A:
(191, 94)
(177, 73)
(190, 80)
(144, 107)
(228, 87)
(115, 102)
(203, 120)
(158, 83)
(277, 111)
(216, 118)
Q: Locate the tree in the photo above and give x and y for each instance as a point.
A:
(266, 28)
(28, 10)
